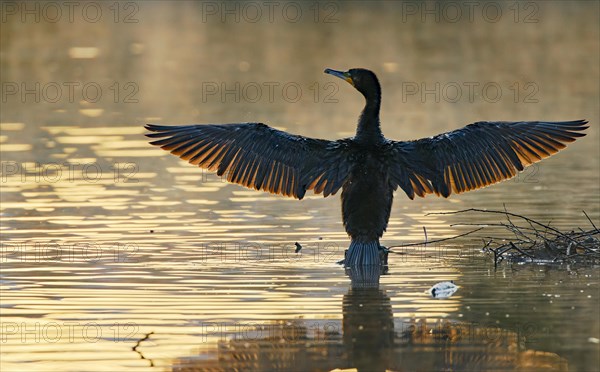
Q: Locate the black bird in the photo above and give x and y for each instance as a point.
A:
(367, 167)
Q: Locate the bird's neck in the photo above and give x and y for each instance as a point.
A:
(369, 129)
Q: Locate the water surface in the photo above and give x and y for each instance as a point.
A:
(116, 255)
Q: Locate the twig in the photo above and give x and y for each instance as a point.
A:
(520, 251)
(569, 249)
(135, 348)
(589, 219)
(507, 214)
(535, 232)
(486, 244)
(399, 253)
(435, 241)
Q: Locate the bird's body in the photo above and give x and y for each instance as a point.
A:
(367, 194)
(367, 167)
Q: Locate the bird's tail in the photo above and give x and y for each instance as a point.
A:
(362, 253)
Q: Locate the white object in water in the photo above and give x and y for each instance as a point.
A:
(443, 289)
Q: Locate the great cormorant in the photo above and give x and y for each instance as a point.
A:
(367, 167)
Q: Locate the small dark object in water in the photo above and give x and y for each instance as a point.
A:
(151, 231)
(298, 247)
(367, 167)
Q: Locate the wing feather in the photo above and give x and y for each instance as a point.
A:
(477, 155)
(258, 156)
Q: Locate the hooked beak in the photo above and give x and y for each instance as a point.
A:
(345, 75)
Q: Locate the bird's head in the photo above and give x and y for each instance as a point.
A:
(365, 81)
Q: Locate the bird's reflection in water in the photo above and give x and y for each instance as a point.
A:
(368, 322)
(369, 340)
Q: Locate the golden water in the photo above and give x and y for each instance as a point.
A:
(116, 255)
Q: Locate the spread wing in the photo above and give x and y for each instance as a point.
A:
(258, 156)
(477, 155)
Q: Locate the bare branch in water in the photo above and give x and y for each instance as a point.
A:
(530, 244)
(589, 219)
(137, 345)
(506, 214)
(434, 241)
